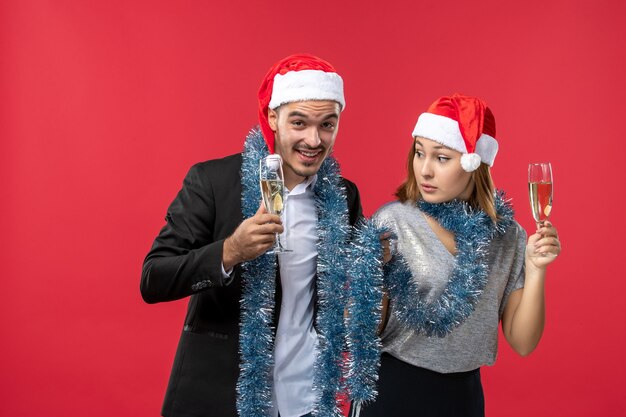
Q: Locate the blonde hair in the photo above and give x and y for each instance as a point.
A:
(482, 196)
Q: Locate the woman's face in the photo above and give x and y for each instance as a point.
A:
(439, 174)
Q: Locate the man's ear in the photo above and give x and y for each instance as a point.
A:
(272, 119)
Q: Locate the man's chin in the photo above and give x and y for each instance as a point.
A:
(308, 170)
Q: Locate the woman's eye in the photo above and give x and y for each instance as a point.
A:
(443, 158)
(419, 154)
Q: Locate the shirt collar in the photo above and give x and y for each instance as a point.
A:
(304, 186)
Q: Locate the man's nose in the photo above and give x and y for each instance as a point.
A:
(312, 138)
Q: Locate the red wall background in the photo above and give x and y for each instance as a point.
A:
(105, 105)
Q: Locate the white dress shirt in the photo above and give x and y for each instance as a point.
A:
(296, 339)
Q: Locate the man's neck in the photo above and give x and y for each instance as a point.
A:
(292, 181)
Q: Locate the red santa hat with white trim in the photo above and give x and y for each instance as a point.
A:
(462, 123)
(297, 77)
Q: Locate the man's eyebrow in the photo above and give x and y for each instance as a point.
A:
(296, 113)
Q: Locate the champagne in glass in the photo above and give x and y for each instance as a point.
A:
(540, 200)
(540, 191)
(273, 191)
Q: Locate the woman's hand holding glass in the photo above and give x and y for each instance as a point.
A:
(545, 242)
(544, 245)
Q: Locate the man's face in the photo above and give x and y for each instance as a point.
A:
(305, 133)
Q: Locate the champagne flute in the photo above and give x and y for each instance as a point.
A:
(540, 192)
(273, 191)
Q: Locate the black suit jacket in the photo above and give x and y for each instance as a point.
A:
(186, 260)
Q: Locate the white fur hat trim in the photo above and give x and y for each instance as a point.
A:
(446, 131)
(307, 85)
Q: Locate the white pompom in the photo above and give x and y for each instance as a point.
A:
(470, 162)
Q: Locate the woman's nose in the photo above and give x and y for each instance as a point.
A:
(426, 170)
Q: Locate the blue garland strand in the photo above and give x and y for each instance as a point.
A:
(473, 230)
(364, 312)
(256, 338)
(333, 230)
(256, 334)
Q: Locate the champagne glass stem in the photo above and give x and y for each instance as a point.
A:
(540, 224)
(279, 245)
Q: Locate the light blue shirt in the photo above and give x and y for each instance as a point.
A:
(296, 338)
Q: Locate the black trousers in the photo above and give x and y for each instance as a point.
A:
(405, 390)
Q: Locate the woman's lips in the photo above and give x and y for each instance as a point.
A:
(427, 188)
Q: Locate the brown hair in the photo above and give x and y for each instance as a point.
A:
(482, 196)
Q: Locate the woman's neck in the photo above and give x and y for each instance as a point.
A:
(445, 236)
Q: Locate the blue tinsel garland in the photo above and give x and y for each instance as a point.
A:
(364, 312)
(256, 339)
(473, 230)
(254, 396)
(333, 231)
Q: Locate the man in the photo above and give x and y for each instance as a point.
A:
(263, 335)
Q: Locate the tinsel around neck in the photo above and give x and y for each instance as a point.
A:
(473, 231)
(458, 216)
(256, 341)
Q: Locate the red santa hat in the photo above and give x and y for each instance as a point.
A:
(297, 77)
(462, 123)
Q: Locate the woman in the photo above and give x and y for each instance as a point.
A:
(462, 265)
